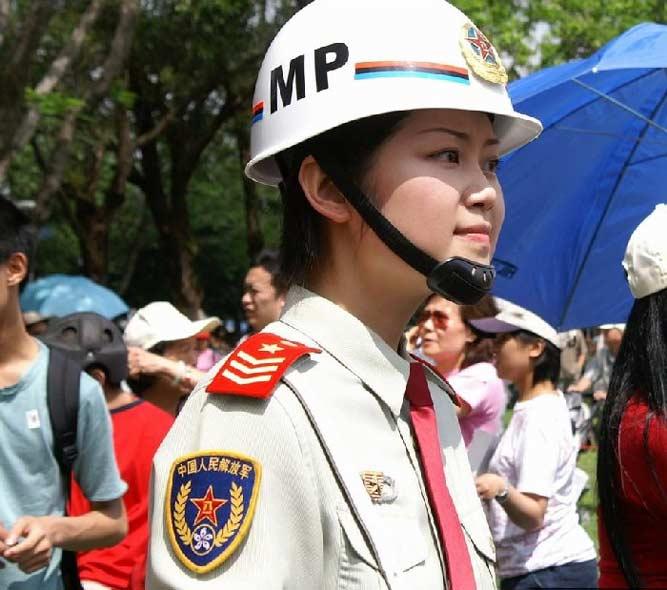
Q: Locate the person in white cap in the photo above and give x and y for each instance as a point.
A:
(162, 353)
(632, 459)
(597, 370)
(531, 499)
(318, 455)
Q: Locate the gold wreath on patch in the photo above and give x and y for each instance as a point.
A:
(481, 55)
(210, 502)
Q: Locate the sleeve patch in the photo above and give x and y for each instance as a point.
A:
(256, 366)
(210, 503)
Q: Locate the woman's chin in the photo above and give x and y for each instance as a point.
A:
(479, 252)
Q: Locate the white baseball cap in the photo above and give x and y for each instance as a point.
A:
(620, 327)
(337, 61)
(160, 321)
(512, 318)
(645, 260)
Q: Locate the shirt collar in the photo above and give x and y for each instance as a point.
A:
(350, 342)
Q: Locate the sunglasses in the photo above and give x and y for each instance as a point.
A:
(439, 318)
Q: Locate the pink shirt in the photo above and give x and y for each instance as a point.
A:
(480, 386)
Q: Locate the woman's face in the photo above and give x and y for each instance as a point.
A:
(442, 332)
(512, 357)
(182, 350)
(435, 179)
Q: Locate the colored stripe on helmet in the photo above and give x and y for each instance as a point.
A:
(411, 74)
(406, 69)
(258, 112)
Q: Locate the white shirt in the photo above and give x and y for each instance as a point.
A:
(537, 455)
(335, 415)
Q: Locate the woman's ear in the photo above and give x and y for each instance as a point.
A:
(322, 193)
(470, 335)
(536, 348)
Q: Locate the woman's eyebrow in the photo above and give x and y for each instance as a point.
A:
(458, 134)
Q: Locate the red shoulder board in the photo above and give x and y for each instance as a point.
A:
(256, 366)
(456, 399)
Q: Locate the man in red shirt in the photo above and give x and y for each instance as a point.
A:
(138, 429)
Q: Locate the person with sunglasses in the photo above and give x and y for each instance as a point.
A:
(464, 357)
(530, 489)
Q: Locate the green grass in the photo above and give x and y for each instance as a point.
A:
(588, 503)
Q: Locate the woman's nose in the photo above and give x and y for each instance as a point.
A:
(482, 195)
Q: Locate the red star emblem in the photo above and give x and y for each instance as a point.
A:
(481, 43)
(207, 507)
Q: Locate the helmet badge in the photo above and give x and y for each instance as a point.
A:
(481, 55)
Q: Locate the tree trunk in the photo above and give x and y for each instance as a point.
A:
(170, 214)
(93, 235)
(254, 235)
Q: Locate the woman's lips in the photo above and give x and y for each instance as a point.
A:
(478, 233)
(479, 238)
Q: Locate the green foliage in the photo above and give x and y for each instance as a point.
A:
(53, 104)
(577, 28)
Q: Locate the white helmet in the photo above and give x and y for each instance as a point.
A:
(338, 61)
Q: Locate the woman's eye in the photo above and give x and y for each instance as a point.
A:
(449, 156)
(492, 166)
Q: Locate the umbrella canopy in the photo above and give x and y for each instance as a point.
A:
(575, 195)
(60, 295)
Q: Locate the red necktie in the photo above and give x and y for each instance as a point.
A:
(459, 568)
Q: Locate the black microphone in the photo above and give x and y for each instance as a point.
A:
(461, 281)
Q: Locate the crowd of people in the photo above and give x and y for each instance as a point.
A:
(331, 446)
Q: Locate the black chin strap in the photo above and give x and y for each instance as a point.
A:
(457, 279)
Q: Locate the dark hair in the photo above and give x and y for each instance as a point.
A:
(16, 233)
(269, 260)
(640, 368)
(480, 350)
(546, 366)
(140, 383)
(353, 145)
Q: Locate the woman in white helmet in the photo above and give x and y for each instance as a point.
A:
(314, 458)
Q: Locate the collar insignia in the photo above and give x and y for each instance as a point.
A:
(211, 499)
(481, 55)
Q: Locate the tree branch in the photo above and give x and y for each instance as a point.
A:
(56, 167)
(159, 128)
(58, 68)
(124, 163)
(5, 9)
(39, 157)
(227, 111)
(120, 47)
(34, 28)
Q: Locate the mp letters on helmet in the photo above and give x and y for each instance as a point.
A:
(326, 59)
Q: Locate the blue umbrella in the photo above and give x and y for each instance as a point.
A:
(60, 295)
(575, 195)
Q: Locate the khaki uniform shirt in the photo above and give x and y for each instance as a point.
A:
(333, 417)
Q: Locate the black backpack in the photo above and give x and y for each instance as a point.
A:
(62, 395)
